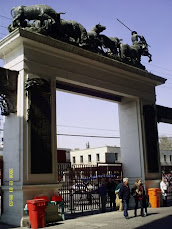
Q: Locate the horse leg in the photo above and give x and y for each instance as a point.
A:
(150, 57)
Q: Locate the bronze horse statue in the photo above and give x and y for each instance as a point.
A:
(102, 43)
(134, 52)
(34, 12)
(111, 44)
(94, 38)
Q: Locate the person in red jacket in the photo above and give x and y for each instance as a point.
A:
(138, 193)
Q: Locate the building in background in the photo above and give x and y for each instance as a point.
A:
(166, 161)
(92, 156)
(63, 155)
(111, 154)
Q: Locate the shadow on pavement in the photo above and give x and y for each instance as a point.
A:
(153, 213)
(165, 222)
(80, 214)
(53, 224)
(149, 214)
(169, 203)
(6, 226)
(85, 213)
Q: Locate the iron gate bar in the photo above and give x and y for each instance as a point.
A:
(80, 185)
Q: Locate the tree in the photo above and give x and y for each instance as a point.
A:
(165, 143)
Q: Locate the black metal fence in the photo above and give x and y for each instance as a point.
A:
(169, 193)
(80, 185)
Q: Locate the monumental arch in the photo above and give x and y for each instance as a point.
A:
(48, 64)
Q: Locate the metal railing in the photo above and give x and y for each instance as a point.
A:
(80, 185)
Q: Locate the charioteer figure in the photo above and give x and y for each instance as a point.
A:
(140, 42)
(137, 39)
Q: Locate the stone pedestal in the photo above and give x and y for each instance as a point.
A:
(14, 215)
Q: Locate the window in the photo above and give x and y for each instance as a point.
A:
(97, 157)
(170, 157)
(116, 156)
(165, 158)
(73, 159)
(89, 158)
(81, 159)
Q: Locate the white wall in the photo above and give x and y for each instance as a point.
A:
(167, 153)
(131, 140)
(102, 151)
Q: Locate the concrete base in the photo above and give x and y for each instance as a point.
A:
(21, 194)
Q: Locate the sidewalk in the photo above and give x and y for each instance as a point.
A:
(159, 218)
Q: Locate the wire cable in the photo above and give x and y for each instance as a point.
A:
(86, 136)
(3, 34)
(3, 27)
(166, 74)
(157, 66)
(5, 17)
(89, 128)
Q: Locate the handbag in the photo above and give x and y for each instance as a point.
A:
(133, 192)
(117, 201)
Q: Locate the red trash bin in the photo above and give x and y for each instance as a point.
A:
(56, 198)
(42, 197)
(37, 212)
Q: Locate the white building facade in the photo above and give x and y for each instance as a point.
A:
(166, 160)
(92, 156)
(111, 154)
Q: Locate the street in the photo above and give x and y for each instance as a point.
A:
(158, 218)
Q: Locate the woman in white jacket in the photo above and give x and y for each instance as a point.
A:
(164, 187)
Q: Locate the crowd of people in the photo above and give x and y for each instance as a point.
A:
(119, 195)
(168, 178)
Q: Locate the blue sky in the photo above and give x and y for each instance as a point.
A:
(152, 19)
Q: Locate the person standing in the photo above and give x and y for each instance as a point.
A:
(111, 186)
(163, 187)
(118, 202)
(138, 193)
(124, 195)
(102, 193)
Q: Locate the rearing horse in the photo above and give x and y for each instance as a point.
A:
(134, 52)
(94, 37)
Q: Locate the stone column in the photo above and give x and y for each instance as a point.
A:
(139, 142)
(28, 171)
(152, 154)
(131, 140)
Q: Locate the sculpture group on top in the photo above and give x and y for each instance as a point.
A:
(44, 20)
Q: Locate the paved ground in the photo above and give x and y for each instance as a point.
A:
(159, 218)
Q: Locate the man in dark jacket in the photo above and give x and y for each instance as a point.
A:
(111, 186)
(102, 193)
(124, 195)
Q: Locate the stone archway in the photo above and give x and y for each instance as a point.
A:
(62, 65)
